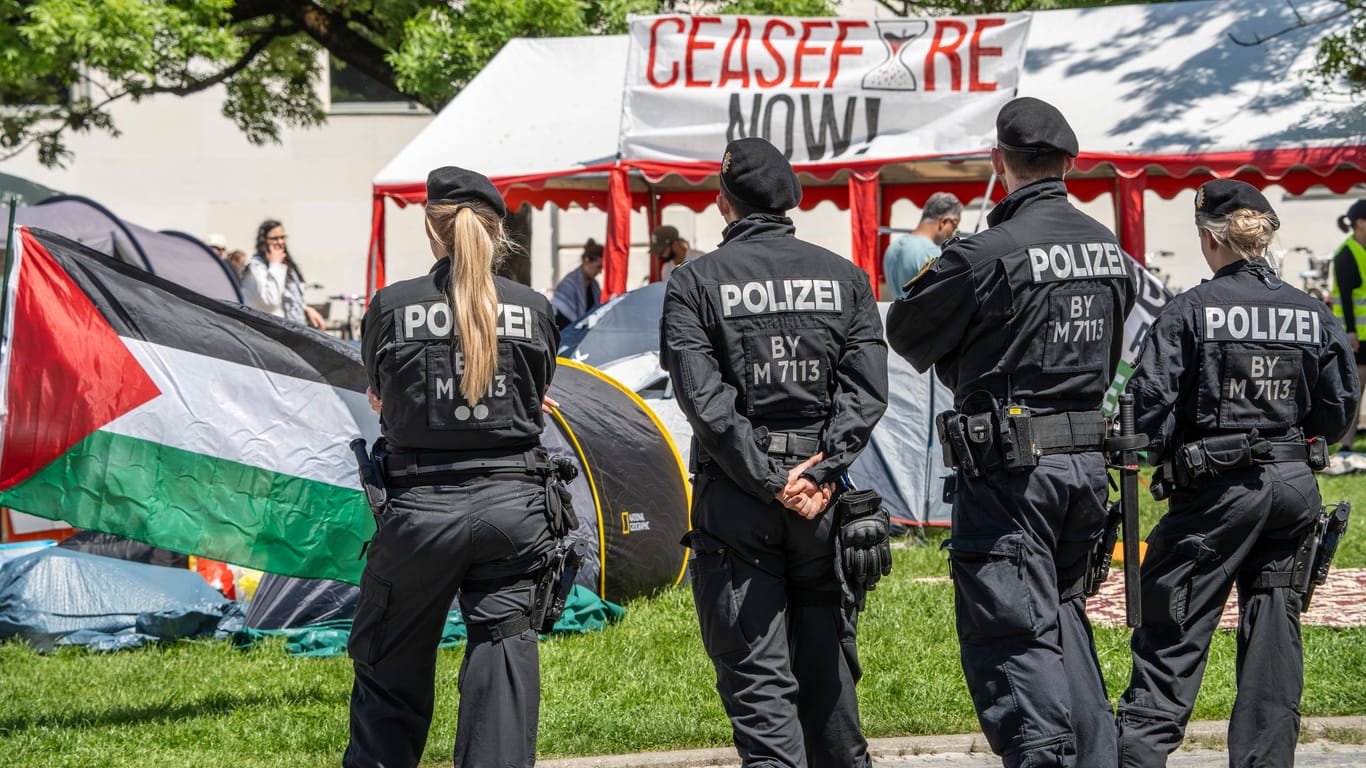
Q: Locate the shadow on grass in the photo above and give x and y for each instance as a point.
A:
(207, 705)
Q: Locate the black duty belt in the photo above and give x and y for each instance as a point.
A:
(1069, 432)
(788, 444)
(430, 466)
(781, 445)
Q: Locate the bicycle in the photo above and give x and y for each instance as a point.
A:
(1317, 279)
(349, 329)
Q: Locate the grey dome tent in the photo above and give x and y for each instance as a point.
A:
(174, 256)
(631, 496)
(626, 325)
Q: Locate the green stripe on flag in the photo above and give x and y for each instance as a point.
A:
(201, 505)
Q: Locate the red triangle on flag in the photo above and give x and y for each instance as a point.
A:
(69, 373)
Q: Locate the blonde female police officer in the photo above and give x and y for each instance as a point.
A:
(1241, 375)
(775, 350)
(460, 360)
(1024, 323)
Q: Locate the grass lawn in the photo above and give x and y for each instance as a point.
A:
(641, 684)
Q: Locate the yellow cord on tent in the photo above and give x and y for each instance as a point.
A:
(668, 440)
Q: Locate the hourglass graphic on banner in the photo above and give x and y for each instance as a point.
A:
(893, 74)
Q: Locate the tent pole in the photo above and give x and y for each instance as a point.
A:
(929, 452)
(9, 257)
(986, 201)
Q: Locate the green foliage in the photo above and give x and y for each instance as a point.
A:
(107, 50)
(1342, 55)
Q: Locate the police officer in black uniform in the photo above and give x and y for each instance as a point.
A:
(460, 360)
(1240, 384)
(775, 349)
(1024, 322)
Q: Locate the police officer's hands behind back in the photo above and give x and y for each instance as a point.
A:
(803, 496)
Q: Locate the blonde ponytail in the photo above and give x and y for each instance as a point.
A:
(474, 302)
(472, 233)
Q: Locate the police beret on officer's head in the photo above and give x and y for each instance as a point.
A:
(457, 185)
(1029, 125)
(1217, 199)
(755, 174)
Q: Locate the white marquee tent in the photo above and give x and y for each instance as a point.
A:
(1162, 98)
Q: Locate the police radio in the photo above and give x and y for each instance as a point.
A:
(1017, 438)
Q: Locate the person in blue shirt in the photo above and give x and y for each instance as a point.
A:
(909, 254)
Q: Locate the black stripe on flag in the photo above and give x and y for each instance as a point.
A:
(142, 306)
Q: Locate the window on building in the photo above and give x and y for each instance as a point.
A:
(354, 91)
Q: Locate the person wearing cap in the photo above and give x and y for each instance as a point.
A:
(671, 250)
(217, 242)
(1024, 322)
(776, 355)
(1250, 375)
(457, 361)
(579, 293)
(1349, 303)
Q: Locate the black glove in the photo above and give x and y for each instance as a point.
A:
(865, 546)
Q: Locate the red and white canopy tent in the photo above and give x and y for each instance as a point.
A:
(1161, 96)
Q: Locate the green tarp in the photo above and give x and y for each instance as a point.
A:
(584, 612)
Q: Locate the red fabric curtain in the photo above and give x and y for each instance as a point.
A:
(1129, 214)
(617, 255)
(863, 220)
(374, 262)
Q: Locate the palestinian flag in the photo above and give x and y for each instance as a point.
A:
(137, 407)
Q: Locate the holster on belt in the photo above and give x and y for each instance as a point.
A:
(559, 501)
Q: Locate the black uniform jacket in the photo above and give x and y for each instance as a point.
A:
(1243, 351)
(412, 358)
(769, 331)
(1031, 311)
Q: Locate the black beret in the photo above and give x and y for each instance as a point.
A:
(755, 174)
(457, 185)
(1221, 197)
(1029, 125)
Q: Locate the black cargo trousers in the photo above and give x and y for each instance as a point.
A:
(485, 537)
(778, 633)
(1219, 533)
(1020, 540)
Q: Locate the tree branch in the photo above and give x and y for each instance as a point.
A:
(1259, 39)
(253, 50)
(330, 30)
(891, 6)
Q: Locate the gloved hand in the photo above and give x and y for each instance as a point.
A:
(865, 545)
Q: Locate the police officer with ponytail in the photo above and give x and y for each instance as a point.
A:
(1239, 385)
(458, 361)
(776, 354)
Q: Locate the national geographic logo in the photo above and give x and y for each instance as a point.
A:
(633, 522)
